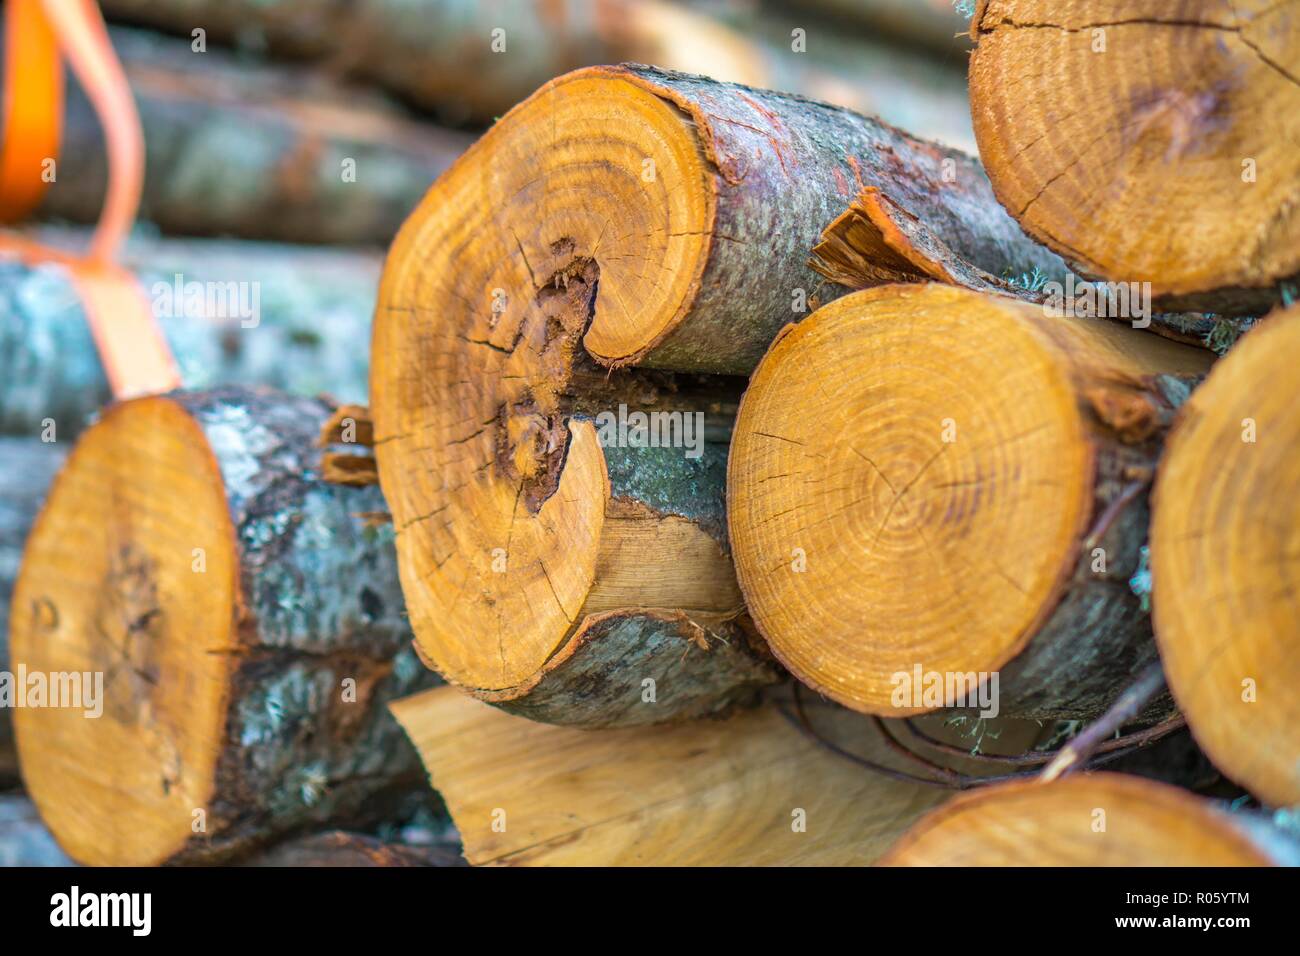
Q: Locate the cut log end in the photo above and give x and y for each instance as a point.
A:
(913, 472)
(662, 235)
(1102, 819)
(1224, 570)
(107, 587)
(1087, 126)
(500, 488)
(196, 602)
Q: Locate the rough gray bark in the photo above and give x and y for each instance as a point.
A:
(324, 605)
(312, 332)
(787, 169)
(697, 669)
(248, 150)
(1099, 636)
(27, 466)
(633, 667)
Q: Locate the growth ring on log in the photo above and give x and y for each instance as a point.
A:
(490, 401)
(1148, 141)
(912, 474)
(238, 621)
(106, 575)
(1224, 562)
(1101, 819)
(620, 232)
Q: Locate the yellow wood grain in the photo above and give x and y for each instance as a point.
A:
(704, 793)
(1225, 556)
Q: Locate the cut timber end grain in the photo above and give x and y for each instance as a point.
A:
(188, 554)
(619, 217)
(1224, 533)
(912, 476)
(703, 793)
(1168, 156)
(27, 466)
(1102, 819)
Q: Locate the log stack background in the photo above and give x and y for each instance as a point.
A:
(400, 528)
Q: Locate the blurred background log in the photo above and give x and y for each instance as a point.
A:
(311, 335)
(938, 25)
(440, 55)
(246, 623)
(1102, 819)
(1224, 562)
(254, 150)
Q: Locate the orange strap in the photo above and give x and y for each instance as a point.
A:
(32, 119)
(135, 355)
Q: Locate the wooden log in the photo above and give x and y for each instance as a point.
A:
(253, 151)
(240, 622)
(1102, 819)
(24, 840)
(927, 484)
(666, 225)
(868, 72)
(749, 790)
(338, 848)
(291, 317)
(27, 466)
(441, 55)
(1092, 115)
(936, 25)
(469, 61)
(1223, 562)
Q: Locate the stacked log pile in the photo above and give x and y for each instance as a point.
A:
(543, 571)
(754, 473)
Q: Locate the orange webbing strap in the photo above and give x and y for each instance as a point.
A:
(135, 355)
(32, 119)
